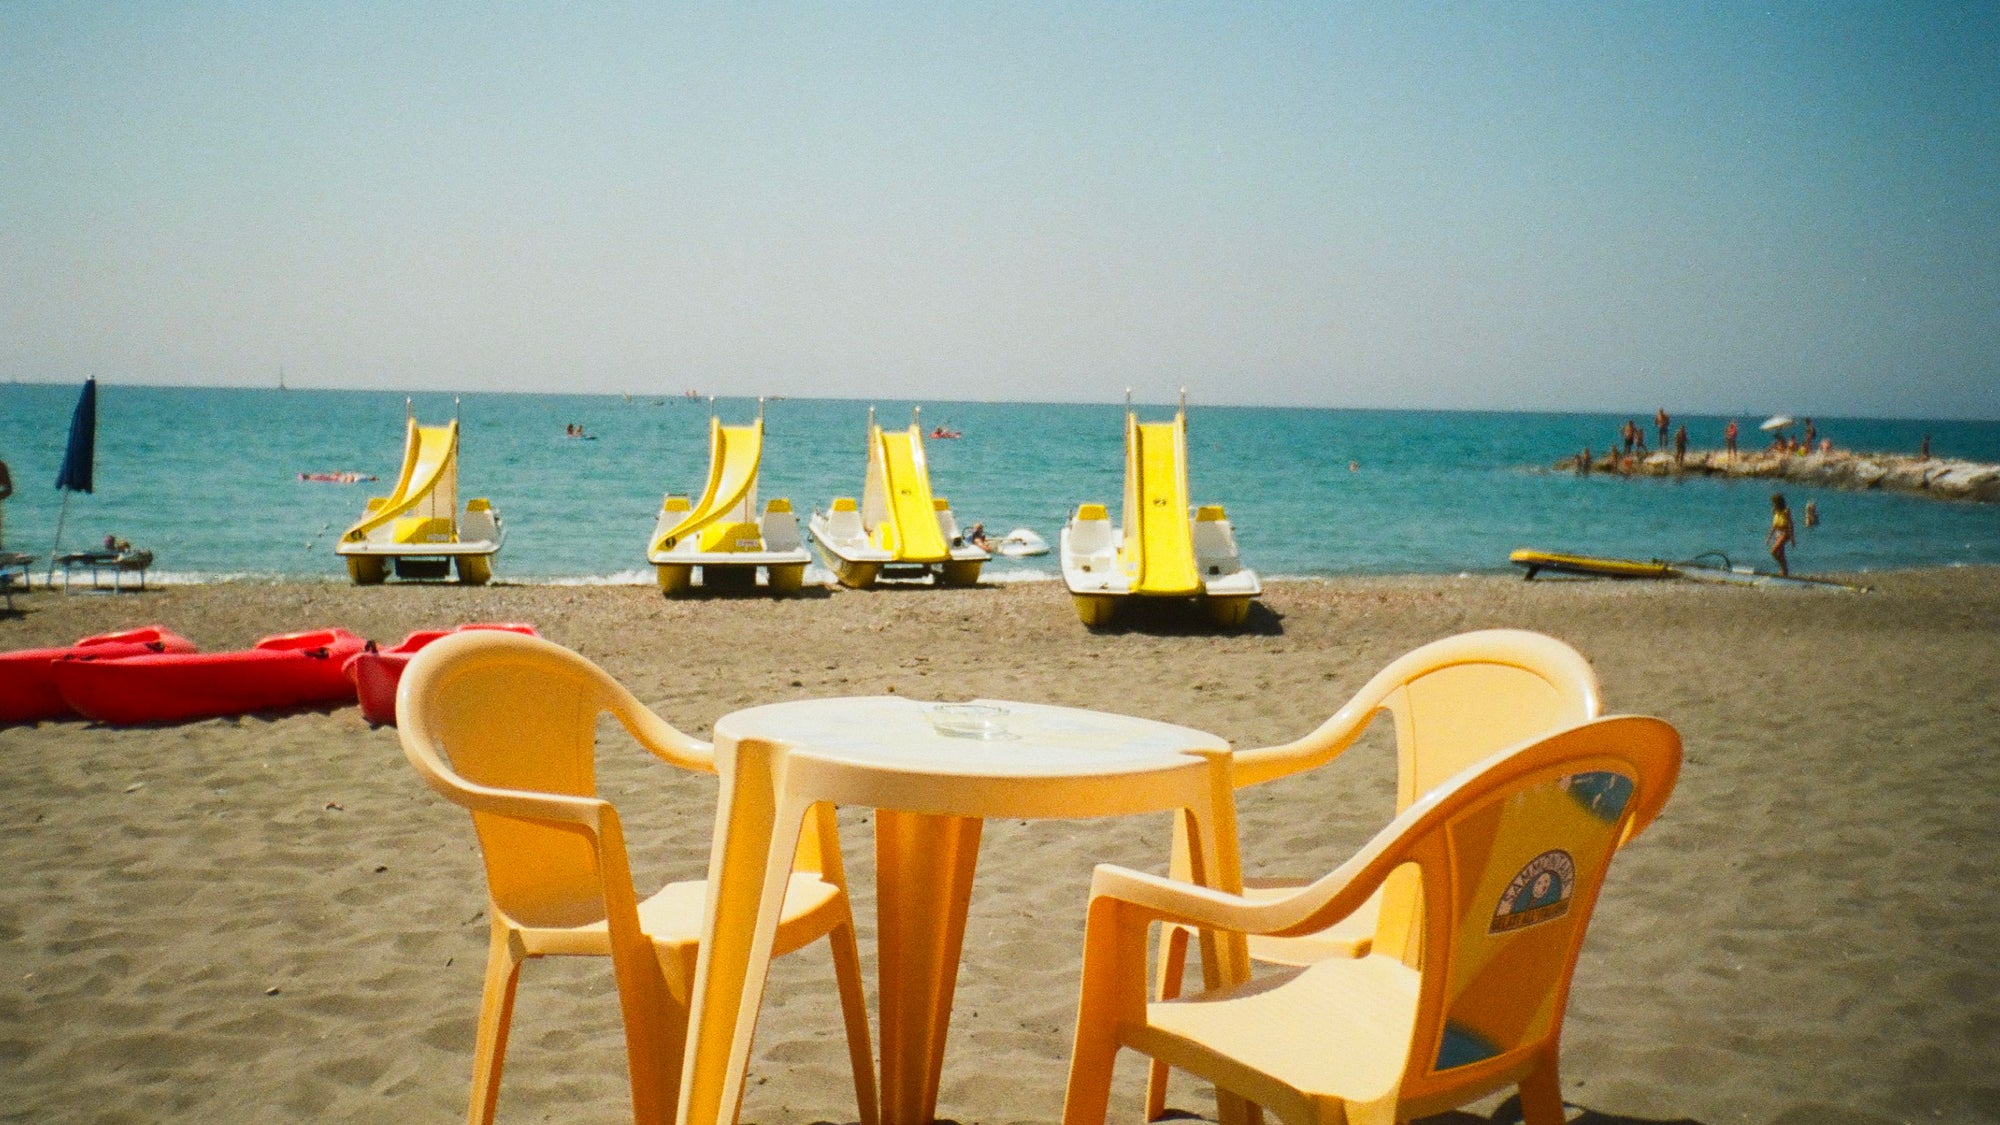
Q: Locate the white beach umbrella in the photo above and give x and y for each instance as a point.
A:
(1776, 422)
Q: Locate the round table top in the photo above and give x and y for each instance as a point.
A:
(889, 732)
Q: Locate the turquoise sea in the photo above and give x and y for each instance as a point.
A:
(207, 478)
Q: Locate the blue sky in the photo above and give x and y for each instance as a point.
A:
(1709, 207)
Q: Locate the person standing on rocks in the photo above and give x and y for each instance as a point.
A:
(1660, 423)
(1729, 438)
(1680, 445)
(1781, 535)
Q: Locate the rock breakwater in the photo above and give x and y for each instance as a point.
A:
(1940, 477)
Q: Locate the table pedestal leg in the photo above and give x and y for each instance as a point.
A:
(924, 866)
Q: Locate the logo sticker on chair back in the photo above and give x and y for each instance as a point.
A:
(1539, 893)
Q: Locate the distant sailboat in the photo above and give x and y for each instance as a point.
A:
(281, 378)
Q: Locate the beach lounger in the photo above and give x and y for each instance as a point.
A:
(1510, 853)
(505, 725)
(14, 574)
(118, 562)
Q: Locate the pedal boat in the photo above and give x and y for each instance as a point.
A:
(899, 530)
(722, 534)
(1158, 552)
(417, 529)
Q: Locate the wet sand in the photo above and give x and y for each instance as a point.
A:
(270, 919)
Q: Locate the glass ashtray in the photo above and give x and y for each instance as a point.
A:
(969, 720)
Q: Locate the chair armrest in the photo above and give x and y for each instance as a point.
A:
(1326, 742)
(660, 737)
(1313, 907)
(588, 812)
(667, 741)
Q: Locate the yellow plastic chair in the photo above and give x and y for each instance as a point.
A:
(1453, 702)
(1510, 855)
(505, 725)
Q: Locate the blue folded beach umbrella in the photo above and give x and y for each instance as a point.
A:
(82, 451)
(78, 460)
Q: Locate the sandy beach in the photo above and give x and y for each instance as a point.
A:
(269, 919)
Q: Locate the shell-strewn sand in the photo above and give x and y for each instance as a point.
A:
(269, 919)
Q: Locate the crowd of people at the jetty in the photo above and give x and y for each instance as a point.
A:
(1631, 449)
(1630, 445)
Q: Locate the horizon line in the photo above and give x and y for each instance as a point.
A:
(673, 395)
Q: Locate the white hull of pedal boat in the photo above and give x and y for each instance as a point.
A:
(899, 529)
(1158, 553)
(480, 535)
(858, 564)
(1088, 550)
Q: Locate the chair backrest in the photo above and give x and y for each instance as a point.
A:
(1454, 701)
(1457, 700)
(1511, 856)
(484, 715)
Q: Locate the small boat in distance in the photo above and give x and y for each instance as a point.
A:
(1559, 562)
(1020, 543)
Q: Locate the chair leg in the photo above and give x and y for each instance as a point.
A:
(653, 999)
(496, 1012)
(1113, 989)
(1087, 1100)
(854, 1010)
(1541, 1095)
(1173, 968)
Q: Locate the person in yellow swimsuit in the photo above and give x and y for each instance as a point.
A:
(1781, 532)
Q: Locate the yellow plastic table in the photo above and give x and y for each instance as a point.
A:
(932, 791)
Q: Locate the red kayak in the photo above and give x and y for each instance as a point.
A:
(294, 670)
(27, 678)
(376, 673)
